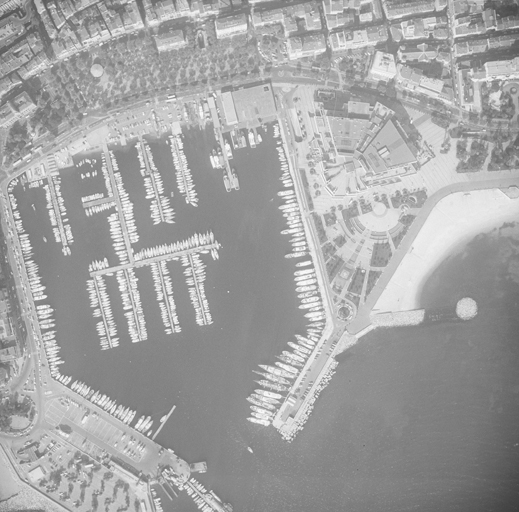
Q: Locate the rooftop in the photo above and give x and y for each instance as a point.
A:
(388, 149)
(254, 102)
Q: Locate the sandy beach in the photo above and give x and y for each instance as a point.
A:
(454, 221)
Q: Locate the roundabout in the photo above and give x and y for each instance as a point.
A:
(381, 218)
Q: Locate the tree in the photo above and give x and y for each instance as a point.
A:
(461, 149)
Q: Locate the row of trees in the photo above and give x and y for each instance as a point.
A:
(504, 158)
(501, 106)
(473, 159)
(132, 66)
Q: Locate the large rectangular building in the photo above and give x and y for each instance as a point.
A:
(388, 150)
(383, 67)
(501, 70)
(231, 25)
(256, 102)
(19, 107)
(229, 111)
(170, 40)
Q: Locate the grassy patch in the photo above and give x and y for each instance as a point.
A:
(381, 254)
(373, 276)
(357, 281)
(399, 236)
(321, 233)
(333, 266)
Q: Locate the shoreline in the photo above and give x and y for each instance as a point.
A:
(454, 221)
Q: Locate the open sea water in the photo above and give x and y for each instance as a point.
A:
(415, 419)
(419, 418)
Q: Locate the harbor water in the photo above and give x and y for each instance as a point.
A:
(420, 418)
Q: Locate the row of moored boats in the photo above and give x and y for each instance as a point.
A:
(183, 174)
(100, 303)
(126, 204)
(279, 377)
(58, 214)
(160, 206)
(193, 244)
(125, 414)
(44, 312)
(194, 271)
(132, 304)
(106, 204)
(164, 292)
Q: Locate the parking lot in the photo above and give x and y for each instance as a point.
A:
(68, 476)
(90, 430)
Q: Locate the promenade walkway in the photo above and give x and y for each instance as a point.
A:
(362, 319)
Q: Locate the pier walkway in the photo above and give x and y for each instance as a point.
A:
(162, 423)
(182, 169)
(197, 288)
(227, 165)
(135, 303)
(115, 190)
(97, 202)
(150, 174)
(167, 297)
(101, 307)
(55, 205)
(155, 259)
